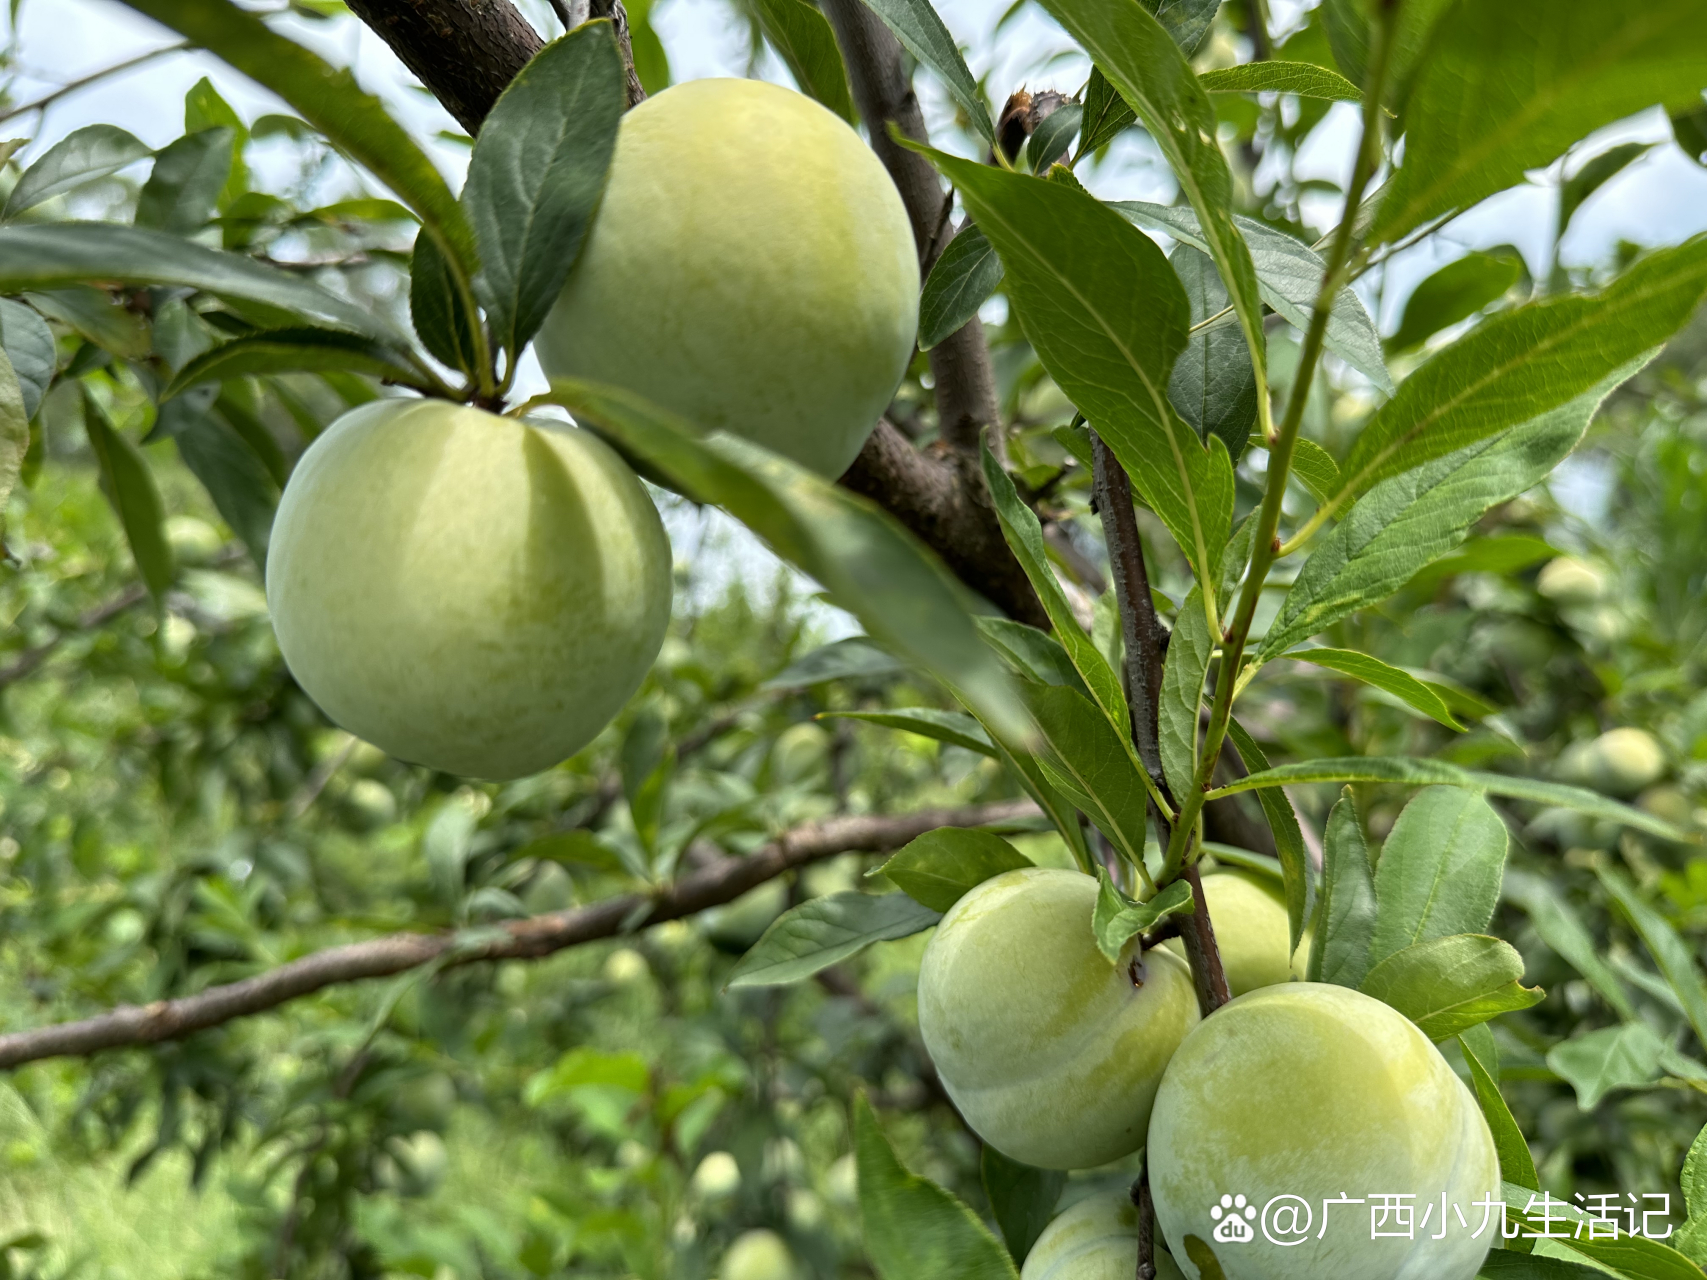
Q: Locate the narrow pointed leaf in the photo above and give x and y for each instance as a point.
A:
(801, 35)
(1674, 956)
(238, 482)
(1105, 115)
(962, 280)
(917, 26)
(1516, 1163)
(956, 728)
(1345, 910)
(129, 486)
(1288, 838)
(293, 351)
(1629, 1255)
(1305, 79)
(824, 931)
(1372, 671)
(440, 315)
(1456, 292)
(82, 156)
(1183, 671)
(1092, 766)
(1559, 926)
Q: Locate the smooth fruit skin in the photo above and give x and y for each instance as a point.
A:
(758, 1255)
(1051, 1053)
(1097, 1239)
(468, 592)
(1252, 932)
(751, 268)
(1625, 760)
(1319, 1092)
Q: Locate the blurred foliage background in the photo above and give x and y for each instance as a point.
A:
(175, 813)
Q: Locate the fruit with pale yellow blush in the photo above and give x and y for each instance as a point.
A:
(1252, 932)
(1097, 1239)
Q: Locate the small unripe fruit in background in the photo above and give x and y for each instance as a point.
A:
(717, 1175)
(1623, 761)
(192, 541)
(1317, 1092)
(1051, 1054)
(751, 268)
(1252, 932)
(466, 591)
(758, 1255)
(1567, 580)
(1097, 1239)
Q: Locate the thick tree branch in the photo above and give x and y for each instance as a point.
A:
(530, 939)
(1140, 629)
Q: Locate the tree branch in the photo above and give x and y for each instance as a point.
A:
(529, 939)
(29, 660)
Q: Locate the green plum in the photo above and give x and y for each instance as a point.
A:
(1051, 1053)
(1097, 1239)
(467, 591)
(1317, 1092)
(1251, 931)
(1624, 761)
(751, 268)
(759, 1255)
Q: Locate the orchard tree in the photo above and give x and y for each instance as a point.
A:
(1091, 551)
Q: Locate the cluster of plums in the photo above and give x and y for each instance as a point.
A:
(481, 593)
(1060, 1060)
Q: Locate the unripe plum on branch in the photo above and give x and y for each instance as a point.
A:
(1252, 932)
(1097, 1239)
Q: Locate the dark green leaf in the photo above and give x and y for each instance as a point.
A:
(1508, 1264)
(1516, 1163)
(913, 1228)
(1183, 671)
(1314, 466)
(1116, 919)
(1446, 985)
(129, 486)
(1506, 88)
(1187, 21)
(852, 658)
(1050, 140)
(537, 174)
(1440, 870)
(953, 727)
(30, 349)
(1526, 361)
(1092, 765)
(1034, 654)
(1595, 1064)
(864, 559)
(439, 313)
(1689, 128)
(302, 350)
(963, 277)
(1305, 79)
(938, 868)
(1345, 911)
(57, 254)
(205, 109)
(1559, 926)
(1405, 522)
(237, 481)
(14, 431)
(1347, 25)
(1674, 956)
(1372, 671)
(802, 37)
(821, 932)
(1288, 838)
(180, 194)
(329, 99)
(1107, 316)
(1692, 1238)
(82, 156)
(1022, 1199)
(1593, 175)
(1105, 115)
(1213, 385)
(94, 314)
(1631, 1256)
(917, 26)
(1456, 292)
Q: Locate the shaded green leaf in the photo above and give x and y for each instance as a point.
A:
(938, 868)
(1050, 140)
(1345, 910)
(1187, 21)
(1305, 79)
(1674, 956)
(1116, 919)
(852, 658)
(824, 931)
(1034, 654)
(82, 156)
(96, 315)
(803, 39)
(1372, 671)
(1315, 468)
(1348, 23)
(1092, 765)
(238, 482)
(1593, 175)
(1288, 838)
(1455, 292)
(1022, 1199)
(1212, 385)
(1692, 1238)
(1599, 1062)
(1183, 670)
(129, 486)
(30, 348)
(1509, 1264)
(962, 278)
(917, 26)
(1440, 871)
(1516, 1163)
(1559, 926)
(953, 727)
(537, 174)
(1446, 985)
(1104, 116)
(188, 175)
(440, 315)
(1629, 1255)
(298, 350)
(14, 431)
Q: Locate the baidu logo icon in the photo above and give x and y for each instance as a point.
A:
(1233, 1217)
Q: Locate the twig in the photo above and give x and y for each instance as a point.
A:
(618, 16)
(316, 781)
(48, 99)
(1197, 934)
(528, 939)
(29, 660)
(1146, 1223)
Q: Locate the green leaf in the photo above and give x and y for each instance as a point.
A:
(1593, 175)
(1187, 21)
(1595, 1064)
(938, 868)
(1028, 771)
(1509, 1264)
(57, 254)
(1289, 275)
(1692, 1238)
(1050, 140)
(866, 561)
(238, 482)
(1410, 771)
(439, 313)
(1402, 524)
(824, 931)
(1631, 1256)
(297, 350)
(537, 174)
(1140, 58)
(1456, 292)
(1116, 919)
(1092, 765)
(1517, 1164)
(1440, 870)
(1305, 79)
(1183, 670)
(1372, 671)
(917, 26)
(852, 658)
(1559, 926)
(803, 39)
(1107, 316)
(1506, 88)
(80, 157)
(96, 315)
(1527, 361)
(1689, 130)
(1288, 838)
(329, 99)
(1674, 956)
(1314, 466)
(14, 431)
(181, 192)
(953, 727)
(1446, 985)
(1345, 910)
(913, 1228)
(129, 486)
(1024, 535)
(1104, 117)
(963, 277)
(1022, 1199)
(1212, 385)
(30, 347)
(1034, 654)
(1348, 25)
(205, 109)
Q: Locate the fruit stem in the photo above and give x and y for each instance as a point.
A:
(1146, 1223)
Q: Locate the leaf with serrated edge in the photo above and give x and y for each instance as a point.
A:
(1305, 79)
(1372, 671)
(824, 931)
(1441, 869)
(1345, 910)
(939, 867)
(1446, 985)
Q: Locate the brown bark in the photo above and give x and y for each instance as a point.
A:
(1197, 935)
